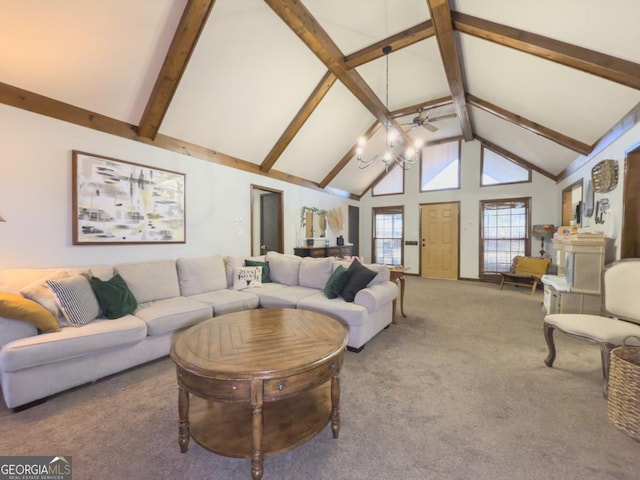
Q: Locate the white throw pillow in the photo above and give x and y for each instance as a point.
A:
(247, 277)
(39, 292)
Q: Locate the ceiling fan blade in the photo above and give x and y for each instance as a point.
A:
(430, 127)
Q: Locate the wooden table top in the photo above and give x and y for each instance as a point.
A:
(260, 343)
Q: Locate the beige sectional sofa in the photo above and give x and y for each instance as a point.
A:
(171, 295)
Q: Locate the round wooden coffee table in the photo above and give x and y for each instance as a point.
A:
(263, 381)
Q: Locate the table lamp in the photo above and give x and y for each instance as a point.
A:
(543, 231)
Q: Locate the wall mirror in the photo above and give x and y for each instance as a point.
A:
(314, 222)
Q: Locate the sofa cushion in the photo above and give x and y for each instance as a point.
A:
(200, 275)
(287, 297)
(16, 307)
(172, 314)
(349, 313)
(76, 299)
(15, 329)
(284, 268)
(358, 277)
(150, 281)
(315, 272)
(228, 301)
(69, 342)
(336, 282)
(114, 297)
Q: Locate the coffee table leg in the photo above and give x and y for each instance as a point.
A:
(256, 430)
(183, 415)
(335, 405)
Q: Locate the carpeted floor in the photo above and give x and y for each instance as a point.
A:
(458, 390)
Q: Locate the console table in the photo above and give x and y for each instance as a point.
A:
(258, 382)
(317, 252)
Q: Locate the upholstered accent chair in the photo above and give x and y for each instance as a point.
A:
(619, 318)
(525, 271)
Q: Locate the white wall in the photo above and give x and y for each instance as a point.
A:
(544, 209)
(35, 197)
(612, 226)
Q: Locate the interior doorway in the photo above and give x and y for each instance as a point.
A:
(267, 232)
(354, 229)
(440, 247)
(630, 246)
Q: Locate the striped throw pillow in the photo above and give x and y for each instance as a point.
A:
(76, 299)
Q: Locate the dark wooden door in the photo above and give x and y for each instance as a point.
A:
(354, 229)
(630, 246)
(269, 221)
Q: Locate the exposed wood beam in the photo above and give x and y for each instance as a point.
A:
(549, 134)
(298, 121)
(515, 158)
(348, 156)
(396, 42)
(623, 126)
(441, 16)
(612, 68)
(299, 19)
(438, 102)
(49, 107)
(184, 42)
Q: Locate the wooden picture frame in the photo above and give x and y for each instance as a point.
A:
(119, 202)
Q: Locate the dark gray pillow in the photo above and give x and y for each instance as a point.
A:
(358, 277)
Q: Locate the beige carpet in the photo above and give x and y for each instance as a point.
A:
(458, 390)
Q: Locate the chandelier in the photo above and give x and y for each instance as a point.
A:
(390, 155)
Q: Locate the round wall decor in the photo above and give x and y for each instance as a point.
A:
(605, 176)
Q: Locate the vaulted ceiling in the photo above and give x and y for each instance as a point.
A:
(285, 88)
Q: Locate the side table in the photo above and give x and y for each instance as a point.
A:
(397, 275)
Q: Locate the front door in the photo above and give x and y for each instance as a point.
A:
(439, 227)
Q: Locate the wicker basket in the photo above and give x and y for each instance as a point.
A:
(623, 401)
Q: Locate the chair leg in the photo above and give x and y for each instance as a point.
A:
(535, 285)
(548, 336)
(501, 282)
(605, 355)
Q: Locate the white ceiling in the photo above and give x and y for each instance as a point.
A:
(250, 74)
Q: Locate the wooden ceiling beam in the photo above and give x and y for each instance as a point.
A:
(348, 156)
(295, 15)
(549, 134)
(32, 102)
(400, 40)
(515, 158)
(441, 17)
(194, 17)
(412, 109)
(298, 121)
(605, 66)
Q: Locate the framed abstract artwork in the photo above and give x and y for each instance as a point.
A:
(119, 202)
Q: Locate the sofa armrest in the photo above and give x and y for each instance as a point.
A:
(375, 296)
(11, 330)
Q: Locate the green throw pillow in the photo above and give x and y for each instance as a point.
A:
(116, 300)
(358, 277)
(266, 278)
(336, 282)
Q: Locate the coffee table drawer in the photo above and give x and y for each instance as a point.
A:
(215, 389)
(283, 387)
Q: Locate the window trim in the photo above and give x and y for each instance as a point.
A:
(493, 277)
(528, 169)
(387, 210)
(439, 142)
